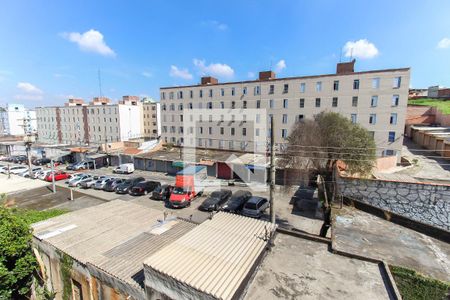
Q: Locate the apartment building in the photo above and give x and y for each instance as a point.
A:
(375, 99)
(151, 112)
(15, 119)
(96, 123)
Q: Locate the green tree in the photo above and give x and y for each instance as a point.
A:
(315, 145)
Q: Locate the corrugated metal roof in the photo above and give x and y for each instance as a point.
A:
(216, 256)
(115, 237)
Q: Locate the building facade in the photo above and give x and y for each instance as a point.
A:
(15, 119)
(375, 99)
(151, 129)
(94, 124)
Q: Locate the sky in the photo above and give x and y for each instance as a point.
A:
(51, 50)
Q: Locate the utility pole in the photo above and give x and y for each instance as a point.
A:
(53, 176)
(272, 171)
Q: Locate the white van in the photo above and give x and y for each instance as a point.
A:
(124, 169)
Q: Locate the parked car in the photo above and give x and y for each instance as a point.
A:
(73, 176)
(162, 192)
(100, 183)
(125, 186)
(215, 200)
(58, 175)
(27, 172)
(111, 185)
(237, 201)
(77, 181)
(88, 183)
(41, 161)
(124, 169)
(255, 207)
(42, 174)
(82, 165)
(19, 159)
(18, 169)
(143, 188)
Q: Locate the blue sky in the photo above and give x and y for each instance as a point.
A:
(51, 50)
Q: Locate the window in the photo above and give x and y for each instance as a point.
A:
(221, 130)
(244, 91)
(200, 130)
(257, 132)
(201, 93)
(210, 118)
(222, 92)
(171, 95)
(355, 101)
(395, 100)
(285, 88)
(181, 118)
(391, 137)
(191, 94)
(334, 102)
(356, 84)
(222, 104)
(209, 105)
(257, 90)
(233, 91)
(232, 131)
(336, 85)
(163, 96)
(210, 93)
(393, 119)
(302, 87)
(317, 102)
(285, 118)
(230, 144)
(285, 103)
(258, 118)
(388, 152)
(271, 89)
(376, 83)
(258, 103)
(318, 86)
(271, 103)
(300, 118)
(397, 82)
(180, 95)
(353, 118)
(302, 103)
(233, 104)
(244, 104)
(180, 107)
(190, 105)
(374, 101)
(244, 131)
(284, 133)
(372, 119)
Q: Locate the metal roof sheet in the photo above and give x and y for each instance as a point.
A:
(215, 257)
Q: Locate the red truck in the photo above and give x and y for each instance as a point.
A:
(188, 184)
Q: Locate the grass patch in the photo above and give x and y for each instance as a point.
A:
(441, 105)
(32, 216)
(414, 286)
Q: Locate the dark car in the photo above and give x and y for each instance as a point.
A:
(19, 159)
(162, 192)
(215, 200)
(237, 201)
(111, 185)
(143, 188)
(125, 186)
(41, 161)
(255, 207)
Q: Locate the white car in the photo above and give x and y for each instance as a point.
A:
(42, 174)
(27, 172)
(17, 169)
(77, 180)
(74, 176)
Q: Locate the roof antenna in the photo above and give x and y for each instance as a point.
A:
(100, 83)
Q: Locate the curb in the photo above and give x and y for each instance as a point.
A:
(304, 235)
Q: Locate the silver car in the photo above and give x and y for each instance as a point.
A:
(100, 183)
(77, 181)
(255, 207)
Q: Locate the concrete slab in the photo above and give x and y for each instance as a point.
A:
(360, 233)
(302, 269)
(17, 184)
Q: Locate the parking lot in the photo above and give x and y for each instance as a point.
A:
(286, 213)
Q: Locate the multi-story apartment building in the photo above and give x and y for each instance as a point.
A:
(96, 123)
(15, 119)
(375, 99)
(151, 112)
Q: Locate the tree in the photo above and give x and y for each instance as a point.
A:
(315, 145)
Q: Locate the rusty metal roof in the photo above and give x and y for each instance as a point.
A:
(213, 259)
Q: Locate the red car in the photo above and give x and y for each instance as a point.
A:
(59, 175)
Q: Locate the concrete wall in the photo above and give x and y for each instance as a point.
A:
(442, 119)
(421, 202)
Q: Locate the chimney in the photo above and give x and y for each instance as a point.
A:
(74, 102)
(267, 75)
(209, 80)
(346, 67)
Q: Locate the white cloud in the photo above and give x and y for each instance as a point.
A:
(251, 74)
(146, 74)
(280, 66)
(90, 41)
(29, 92)
(444, 43)
(362, 49)
(180, 73)
(214, 69)
(216, 25)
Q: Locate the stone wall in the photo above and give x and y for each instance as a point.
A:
(422, 202)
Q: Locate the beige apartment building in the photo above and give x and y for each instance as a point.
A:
(151, 129)
(93, 124)
(375, 99)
